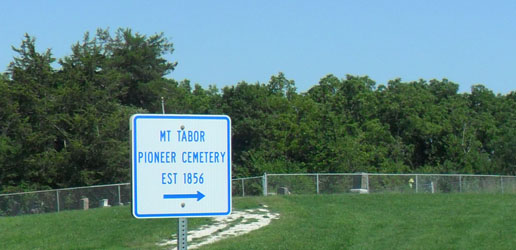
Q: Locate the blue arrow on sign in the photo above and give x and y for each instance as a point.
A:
(198, 196)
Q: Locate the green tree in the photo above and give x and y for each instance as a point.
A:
(30, 86)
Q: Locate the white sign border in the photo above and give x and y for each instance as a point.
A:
(133, 129)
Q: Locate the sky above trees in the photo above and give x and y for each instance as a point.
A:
(225, 42)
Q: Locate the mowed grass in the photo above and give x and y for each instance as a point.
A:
(101, 228)
(385, 221)
(341, 221)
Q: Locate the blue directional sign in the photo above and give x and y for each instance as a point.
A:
(181, 165)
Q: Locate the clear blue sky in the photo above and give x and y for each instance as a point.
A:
(224, 42)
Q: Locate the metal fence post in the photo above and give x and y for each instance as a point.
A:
(501, 183)
(460, 183)
(243, 188)
(417, 188)
(57, 198)
(264, 184)
(367, 180)
(119, 197)
(317, 181)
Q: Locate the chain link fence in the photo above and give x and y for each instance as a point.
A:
(269, 184)
(330, 183)
(64, 199)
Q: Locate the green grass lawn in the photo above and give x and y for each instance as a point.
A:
(343, 221)
(101, 228)
(386, 221)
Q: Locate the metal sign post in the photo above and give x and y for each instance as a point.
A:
(182, 234)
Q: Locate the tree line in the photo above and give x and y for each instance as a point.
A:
(65, 122)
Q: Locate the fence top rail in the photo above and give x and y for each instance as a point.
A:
(247, 178)
(454, 175)
(65, 189)
(390, 174)
(315, 174)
